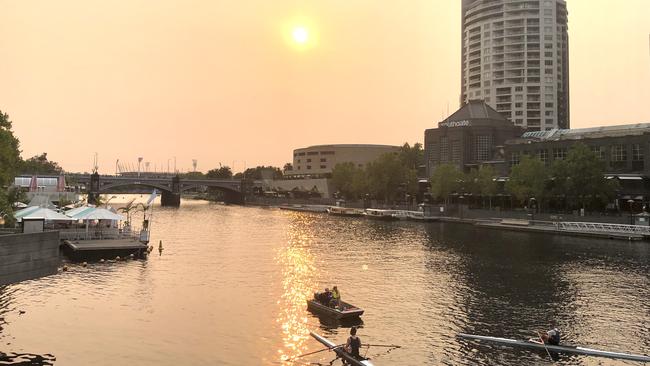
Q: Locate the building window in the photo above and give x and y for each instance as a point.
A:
(519, 88)
(542, 155)
(323, 166)
(308, 167)
(482, 147)
(322, 160)
(519, 113)
(309, 160)
(599, 152)
(444, 149)
(514, 158)
(637, 152)
(619, 153)
(301, 154)
(518, 105)
(455, 151)
(559, 153)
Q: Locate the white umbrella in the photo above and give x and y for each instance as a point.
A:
(93, 213)
(19, 205)
(43, 213)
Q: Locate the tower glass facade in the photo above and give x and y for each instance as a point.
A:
(515, 57)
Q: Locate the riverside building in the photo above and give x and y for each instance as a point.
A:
(472, 136)
(515, 57)
(319, 160)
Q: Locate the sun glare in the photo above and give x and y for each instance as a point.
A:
(300, 35)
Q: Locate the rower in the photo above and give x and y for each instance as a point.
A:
(551, 337)
(353, 344)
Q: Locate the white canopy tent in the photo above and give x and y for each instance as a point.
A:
(40, 213)
(93, 213)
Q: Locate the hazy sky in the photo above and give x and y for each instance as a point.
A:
(220, 81)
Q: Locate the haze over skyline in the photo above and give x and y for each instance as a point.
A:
(221, 82)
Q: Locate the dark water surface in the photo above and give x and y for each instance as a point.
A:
(231, 284)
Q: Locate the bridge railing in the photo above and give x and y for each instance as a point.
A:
(603, 227)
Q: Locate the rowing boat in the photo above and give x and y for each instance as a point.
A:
(559, 349)
(340, 351)
(344, 311)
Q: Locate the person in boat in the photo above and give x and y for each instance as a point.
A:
(326, 297)
(551, 337)
(336, 297)
(353, 344)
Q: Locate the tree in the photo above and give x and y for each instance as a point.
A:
(261, 172)
(130, 207)
(411, 157)
(528, 180)
(445, 180)
(223, 172)
(343, 179)
(287, 168)
(385, 176)
(487, 185)
(9, 160)
(40, 165)
(581, 178)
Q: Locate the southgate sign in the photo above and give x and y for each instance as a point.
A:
(463, 123)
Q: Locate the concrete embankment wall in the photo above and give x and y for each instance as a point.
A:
(28, 256)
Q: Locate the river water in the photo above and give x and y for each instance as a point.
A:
(231, 283)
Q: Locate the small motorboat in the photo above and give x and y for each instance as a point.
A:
(340, 351)
(377, 214)
(344, 211)
(343, 311)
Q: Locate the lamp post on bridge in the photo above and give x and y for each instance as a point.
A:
(139, 161)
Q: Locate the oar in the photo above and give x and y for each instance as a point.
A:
(311, 353)
(382, 345)
(544, 344)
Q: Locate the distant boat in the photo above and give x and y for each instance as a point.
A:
(419, 216)
(377, 214)
(559, 349)
(344, 211)
(340, 351)
(304, 208)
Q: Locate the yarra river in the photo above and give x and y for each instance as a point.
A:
(231, 284)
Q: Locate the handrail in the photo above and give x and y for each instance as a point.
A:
(603, 227)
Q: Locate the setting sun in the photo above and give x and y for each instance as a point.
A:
(300, 35)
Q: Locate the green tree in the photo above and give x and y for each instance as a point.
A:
(40, 165)
(343, 179)
(580, 177)
(193, 175)
(445, 180)
(411, 157)
(129, 208)
(223, 172)
(385, 176)
(528, 180)
(486, 181)
(9, 160)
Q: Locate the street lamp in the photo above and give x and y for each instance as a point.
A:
(630, 203)
(139, 161)
(460, 206)
(532, 203)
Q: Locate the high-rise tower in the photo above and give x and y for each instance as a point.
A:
(515, 56)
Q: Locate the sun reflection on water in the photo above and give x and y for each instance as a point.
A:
(298, 272)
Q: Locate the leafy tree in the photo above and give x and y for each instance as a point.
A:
(445, 180)
(385, 176)
(487, 185)
(343, 179)
(411, 157)
(581, 178)
(9, 160)
(262, 172)
(129, 208)
(193, 175)
(40, 165)
(528, 179)
(223, 172)
(287, 167)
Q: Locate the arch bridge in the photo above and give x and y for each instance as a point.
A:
(171, 187)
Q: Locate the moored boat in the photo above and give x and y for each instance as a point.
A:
(345, 310)
(419, 216)
(377, 214)
(559, 349)
(340, 351)
(344, 211)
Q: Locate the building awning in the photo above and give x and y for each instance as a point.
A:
(624, 176)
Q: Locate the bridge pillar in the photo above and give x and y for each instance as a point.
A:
(173, 198)
(93, 188)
